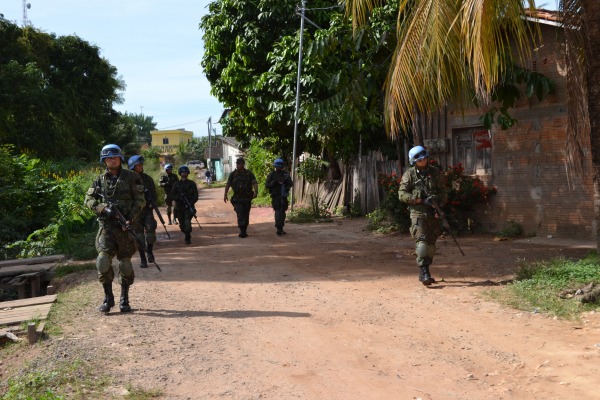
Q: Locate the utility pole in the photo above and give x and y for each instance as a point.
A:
(209, 144)
(293, 171)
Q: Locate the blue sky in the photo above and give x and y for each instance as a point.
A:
(155, 45)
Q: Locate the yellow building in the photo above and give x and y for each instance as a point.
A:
(169, 140)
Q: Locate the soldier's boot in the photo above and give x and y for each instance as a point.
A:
(144, 262)
(150, 254)
(188, 238)
(243, 233)
(169, 216)
(124, 304)
(430, 277)
(109, 298)
(280, 231)
(424, 276)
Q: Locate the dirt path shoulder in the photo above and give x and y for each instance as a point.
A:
(331, 311)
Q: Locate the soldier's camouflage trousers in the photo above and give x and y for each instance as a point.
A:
(112, 241)
(425, 230)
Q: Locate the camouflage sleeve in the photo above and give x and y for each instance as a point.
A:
(270, 180)
(139, 201)
(193, 193)
(164, 179)
(406, 189)
(153, 190)
(92, 200)
(442, 189)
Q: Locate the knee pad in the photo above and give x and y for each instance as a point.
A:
(126, 275)
(430, 250)
(103, 262)
(421, 249)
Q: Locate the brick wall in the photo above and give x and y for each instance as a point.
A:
(529, 160)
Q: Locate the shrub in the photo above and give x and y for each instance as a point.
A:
(464, 192)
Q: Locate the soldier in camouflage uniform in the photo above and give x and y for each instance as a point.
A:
(145, 226)
(245, 188)
(166, 182)
(125, 189)
(279, 183)
(420, 186)
(185, 189)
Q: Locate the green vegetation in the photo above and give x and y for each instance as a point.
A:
(512, 230)
(315, 213)
(537, 286)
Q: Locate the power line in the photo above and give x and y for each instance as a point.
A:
(184, 123)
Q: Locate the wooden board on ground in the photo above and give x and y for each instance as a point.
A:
(25, 268)
(33, 260)
(13, 312)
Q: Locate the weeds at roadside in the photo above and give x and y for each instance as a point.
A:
(142, 394)
(537, 286)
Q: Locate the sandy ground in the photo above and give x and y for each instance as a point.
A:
(332, 311)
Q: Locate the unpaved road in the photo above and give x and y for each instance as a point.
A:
(331, 311)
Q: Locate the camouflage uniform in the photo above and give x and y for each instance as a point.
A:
(425, 223)
(127, 191)
(242, 184)
(146, 224)
(167, 181)
(187, 188)
(279, 183)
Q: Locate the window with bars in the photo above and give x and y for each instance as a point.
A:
(165, 140)
(473, 148)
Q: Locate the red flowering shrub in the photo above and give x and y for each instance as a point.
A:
(464, 192)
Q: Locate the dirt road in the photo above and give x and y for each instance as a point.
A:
(332, 311)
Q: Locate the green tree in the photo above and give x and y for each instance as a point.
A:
(55, 93)
(143, 125)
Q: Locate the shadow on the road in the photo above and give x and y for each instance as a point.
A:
(222, 314)
(453, 283)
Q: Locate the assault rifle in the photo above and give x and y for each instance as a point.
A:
(113, 210)
(152, 202)
(441, 214)
(191, 208)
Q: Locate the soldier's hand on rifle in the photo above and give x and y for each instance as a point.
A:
(103, 208)
(429, 201)
(127, 226)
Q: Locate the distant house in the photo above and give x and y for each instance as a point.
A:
(169, 140)
(527, 163)
(223, 153)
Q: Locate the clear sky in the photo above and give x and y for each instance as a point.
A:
(155, 45)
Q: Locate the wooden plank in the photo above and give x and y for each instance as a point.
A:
(16, 315)
(28, 302)
(24, 269)
(33, 260)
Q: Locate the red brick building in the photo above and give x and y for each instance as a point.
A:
(527, 163)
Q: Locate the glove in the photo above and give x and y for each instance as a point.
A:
(429, 201)
(103, 208)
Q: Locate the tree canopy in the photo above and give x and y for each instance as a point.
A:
(56, 94)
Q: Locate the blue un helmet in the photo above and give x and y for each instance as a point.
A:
(168, 166)
(111, 150)
(135, 160)
(417, 153)
(278, 163)
(183, 168)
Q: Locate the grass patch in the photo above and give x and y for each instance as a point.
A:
(303, 215)
(537, 286)
(66, 269)
(142, 394)
(78, 296)
(62, 380)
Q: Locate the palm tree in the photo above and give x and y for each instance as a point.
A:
(446, 46)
